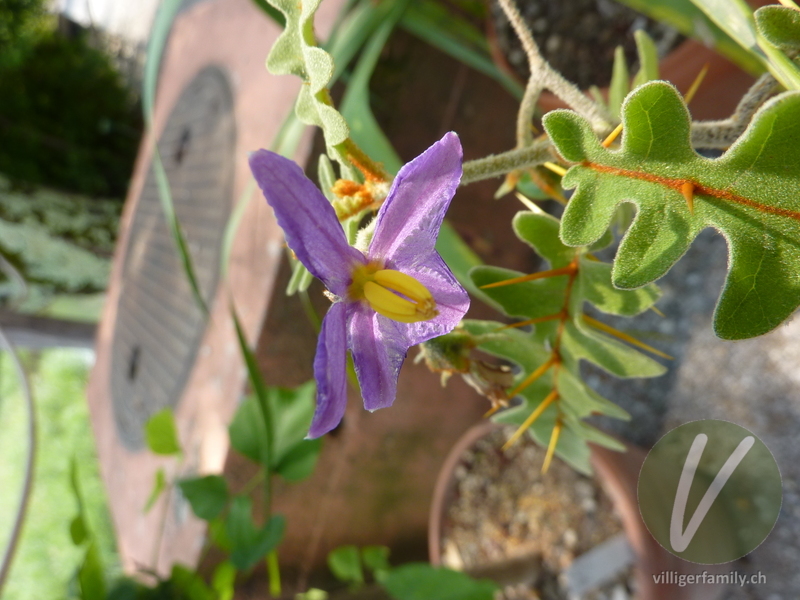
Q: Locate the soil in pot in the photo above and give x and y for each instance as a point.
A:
(579, 37)
(503, 510)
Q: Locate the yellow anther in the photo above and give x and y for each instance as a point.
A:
(392, 294)
(383, 300)
(403, 284)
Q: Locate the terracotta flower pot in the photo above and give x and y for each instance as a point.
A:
(617, 474)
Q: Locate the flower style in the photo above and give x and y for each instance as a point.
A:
(399, 294)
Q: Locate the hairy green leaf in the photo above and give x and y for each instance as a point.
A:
(594, 280)
(530, 299)
(749, 194)
(540, 232)
(607, 353)
(579, 402)
(295, 53)
(780, 25)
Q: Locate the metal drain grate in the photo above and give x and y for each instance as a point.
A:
(159, 326)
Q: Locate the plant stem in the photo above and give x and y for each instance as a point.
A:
(721, 134)
(254, 482)
(274, 574)
(544, 76)
(368, 167)
(497, 165)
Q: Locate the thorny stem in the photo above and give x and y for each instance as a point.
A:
(554, 361)
(721, 134)
(544, 76)
(498, 165)
(534, 87)
(568, 270)
(705, 134)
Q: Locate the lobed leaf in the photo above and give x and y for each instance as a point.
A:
(749, 194)
(530, 299)
(580, 402)
(541, 232)
(607, 353)
(594, 281)
(295, 53)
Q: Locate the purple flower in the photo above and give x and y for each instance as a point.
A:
(398, 295)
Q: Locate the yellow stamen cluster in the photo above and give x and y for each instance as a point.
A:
(392, 294)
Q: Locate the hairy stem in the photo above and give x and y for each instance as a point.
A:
(497, 165)
(721, 134)
(544, 76)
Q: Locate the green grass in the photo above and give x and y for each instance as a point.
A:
(46, 560)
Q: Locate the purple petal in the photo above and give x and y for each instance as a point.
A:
(308, 221)
(330, 366)
(379, 349)
(452, 300)
(409, 220)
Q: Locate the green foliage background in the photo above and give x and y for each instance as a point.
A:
(67, 119)
(46, 560)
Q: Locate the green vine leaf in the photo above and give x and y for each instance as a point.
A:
(295, 53)
(749, 195)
